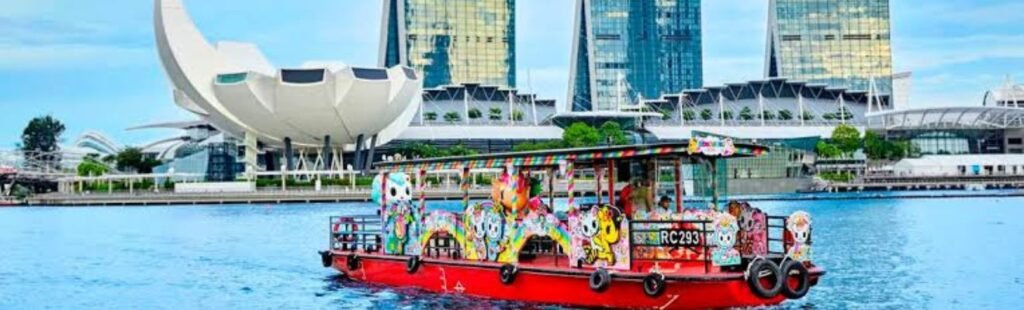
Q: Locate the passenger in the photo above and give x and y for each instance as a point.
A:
(626, 199)
(643, 197)
(665, 203)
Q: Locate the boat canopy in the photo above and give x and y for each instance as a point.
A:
(701, 148)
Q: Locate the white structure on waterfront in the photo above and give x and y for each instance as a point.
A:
(961, 165)
(321, 106)
(1010, 95)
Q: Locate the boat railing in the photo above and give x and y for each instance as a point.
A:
(442, 244)
(779, 238)
(542, 247)
(669, 240)
(352, 233)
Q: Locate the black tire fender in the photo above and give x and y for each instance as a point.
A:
(797, 270)
(507, 274)
(599, 280)
(326, 259)
(352, 262)
(764, 269)
(412, 265)
(654, 285)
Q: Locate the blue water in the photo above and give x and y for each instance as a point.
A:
(964, 253)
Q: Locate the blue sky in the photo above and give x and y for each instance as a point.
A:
(93, 65)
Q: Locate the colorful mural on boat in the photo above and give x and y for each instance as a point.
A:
(486, 227)
(799, 226)
(535, 224)
(752, 238)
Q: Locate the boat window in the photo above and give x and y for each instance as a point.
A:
(231, 78)
(303, 76)
(370, 74)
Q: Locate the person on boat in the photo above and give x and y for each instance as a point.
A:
(625, 202)
(643, 197)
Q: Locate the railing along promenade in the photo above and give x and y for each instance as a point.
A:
(889, 182)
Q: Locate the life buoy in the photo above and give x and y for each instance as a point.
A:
(764, 278)
(507, 274)
(654, 284)
(599, 280)
(412, 264)
(326, 259)
(797, 270)
(353, 262)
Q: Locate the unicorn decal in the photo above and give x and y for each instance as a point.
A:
(401, 220)
(799, 226)
(485, 231)
(724, 238)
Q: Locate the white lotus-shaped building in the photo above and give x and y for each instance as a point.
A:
(234, 88)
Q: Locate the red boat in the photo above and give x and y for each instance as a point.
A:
(518, 248)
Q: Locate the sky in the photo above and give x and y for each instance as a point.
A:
(93, 63)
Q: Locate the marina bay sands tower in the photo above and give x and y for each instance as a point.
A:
(451, 41)
(842, 44)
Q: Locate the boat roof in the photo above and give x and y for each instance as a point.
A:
(579, 156)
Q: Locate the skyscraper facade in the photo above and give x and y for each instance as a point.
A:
(843, 44)
(451, 41)
(626, 49)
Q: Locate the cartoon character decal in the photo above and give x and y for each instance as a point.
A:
(799, 226)
(712, 146)
(724, 239)
(753, 234)
(401, 220)
(534, 224)
(511, 192)
(399, 189)
(441, 221)
(599, 237)
(485, 227)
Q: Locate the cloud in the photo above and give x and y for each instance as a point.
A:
(71, 56)
(931, 53)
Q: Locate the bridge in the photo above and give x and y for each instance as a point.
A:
(37, 171)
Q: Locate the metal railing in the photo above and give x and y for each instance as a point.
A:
(353, 233)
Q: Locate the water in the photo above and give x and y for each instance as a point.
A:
(961, 253)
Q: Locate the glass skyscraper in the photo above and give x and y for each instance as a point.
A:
(452, 41)
(843, 44)
(625, 49)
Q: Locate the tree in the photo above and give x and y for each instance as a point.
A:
(746, 114)
(452, 117)
(807, 116)
(475, 113)
(689, 115)
(785, 115)
(132, 159)
(517, 115)
(40, 139)
(847, 138)
(727, 114)
(666, 115)
(91, 167)
(581, 135)
(768, 115)
(706, 114)
(876, 147)
(612, 132)
(495, 114)
(430, 116)
(539, 146)
(827, 150)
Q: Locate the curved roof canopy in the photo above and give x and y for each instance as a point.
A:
(235, 88)
(977, 118)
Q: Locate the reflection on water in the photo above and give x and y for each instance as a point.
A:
(934, 253)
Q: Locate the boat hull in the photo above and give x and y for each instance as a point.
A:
(560, 286)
